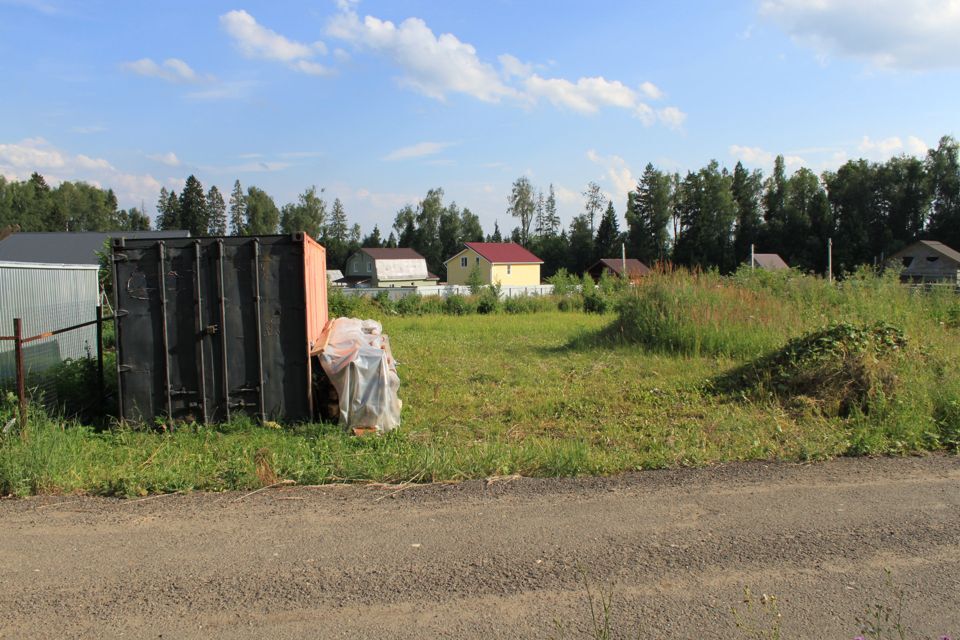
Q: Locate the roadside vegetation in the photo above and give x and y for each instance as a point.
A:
(683, 369)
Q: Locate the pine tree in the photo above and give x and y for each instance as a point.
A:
(168, 210)
(607, 242)
(193, 208)
(217, 212)
(552, 219)
(238, 211)
(308, 215)
(373, 241)
(746, 188)
(649, 208)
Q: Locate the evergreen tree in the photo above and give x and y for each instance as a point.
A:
(217, 212)
(581, 252)
(168, 210)
(373, 241)
(391, 241)
(552, 224)
(193, 208)
(746, 189)
(774, 211)
(608, 240)
(238, 211)
(648, 213)
(495, 236)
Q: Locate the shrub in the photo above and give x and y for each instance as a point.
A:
(488, 301)
(409, 305)
(457, 305)
(595, 301)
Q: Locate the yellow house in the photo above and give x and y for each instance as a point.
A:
(505, 263)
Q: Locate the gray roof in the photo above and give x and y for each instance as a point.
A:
(769, 261)
(933, 245)
(67, 247)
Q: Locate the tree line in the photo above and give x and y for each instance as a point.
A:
(708, 218)
(71, 206)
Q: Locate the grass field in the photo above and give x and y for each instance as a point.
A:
(551, 394)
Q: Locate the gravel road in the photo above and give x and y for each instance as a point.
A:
(506, 558)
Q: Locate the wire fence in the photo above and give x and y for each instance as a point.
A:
(32, 361)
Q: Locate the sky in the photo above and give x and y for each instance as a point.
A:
(378, 101)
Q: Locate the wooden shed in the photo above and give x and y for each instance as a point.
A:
(615, 266)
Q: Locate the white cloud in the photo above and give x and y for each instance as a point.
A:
(672, 117)
(172, 70)
(651, 90)
(433, 65)
(886, 148)
(440, 65)
(617, 175)
(893, 34)
(18, 160)
(233, 90)
(256, 41)
(758, 158)
(513, 68)
(261, 166)
(418, 150)
(169, 158)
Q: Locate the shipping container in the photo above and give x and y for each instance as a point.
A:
(47, 297)
(211, 327)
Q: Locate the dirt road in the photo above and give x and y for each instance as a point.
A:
(491, 560)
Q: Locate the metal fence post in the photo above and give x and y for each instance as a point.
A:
(100, 392)
(21, 383)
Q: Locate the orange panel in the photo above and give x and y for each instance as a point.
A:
(315, 283)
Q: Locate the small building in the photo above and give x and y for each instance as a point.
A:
(769, 262)
(401, 267)
(46, 297)
(504, 263)
(615, 267)
(333, 277)
(927, 261)
(59, 247)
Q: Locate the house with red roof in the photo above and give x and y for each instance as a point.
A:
(504, 263)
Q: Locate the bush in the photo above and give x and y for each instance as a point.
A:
(595, 301)
(457, 305)
(841, 368)
(488, 301)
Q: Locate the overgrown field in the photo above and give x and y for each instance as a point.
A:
(685, 370)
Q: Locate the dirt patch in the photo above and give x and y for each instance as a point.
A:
(493, 559)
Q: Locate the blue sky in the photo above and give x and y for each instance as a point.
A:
(378, 101)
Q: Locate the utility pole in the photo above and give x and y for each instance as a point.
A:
(623, 260)
(751, 257)
(830, 260)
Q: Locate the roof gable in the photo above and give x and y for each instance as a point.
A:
(933, 245)
(634, 266)
(769, 261)
(386, 253)
(503, 252)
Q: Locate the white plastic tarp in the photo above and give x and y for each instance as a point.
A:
(358, 361)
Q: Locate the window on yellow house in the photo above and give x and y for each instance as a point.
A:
(508, 269)
(463, 261)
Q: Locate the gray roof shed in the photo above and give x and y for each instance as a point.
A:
(64, 247)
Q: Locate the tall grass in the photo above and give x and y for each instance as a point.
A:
(509, 391)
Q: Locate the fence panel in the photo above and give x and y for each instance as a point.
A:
(46, 297)
(447, 290)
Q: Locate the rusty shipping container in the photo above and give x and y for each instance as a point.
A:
(211, 327)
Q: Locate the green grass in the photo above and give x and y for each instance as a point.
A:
(551, 394)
